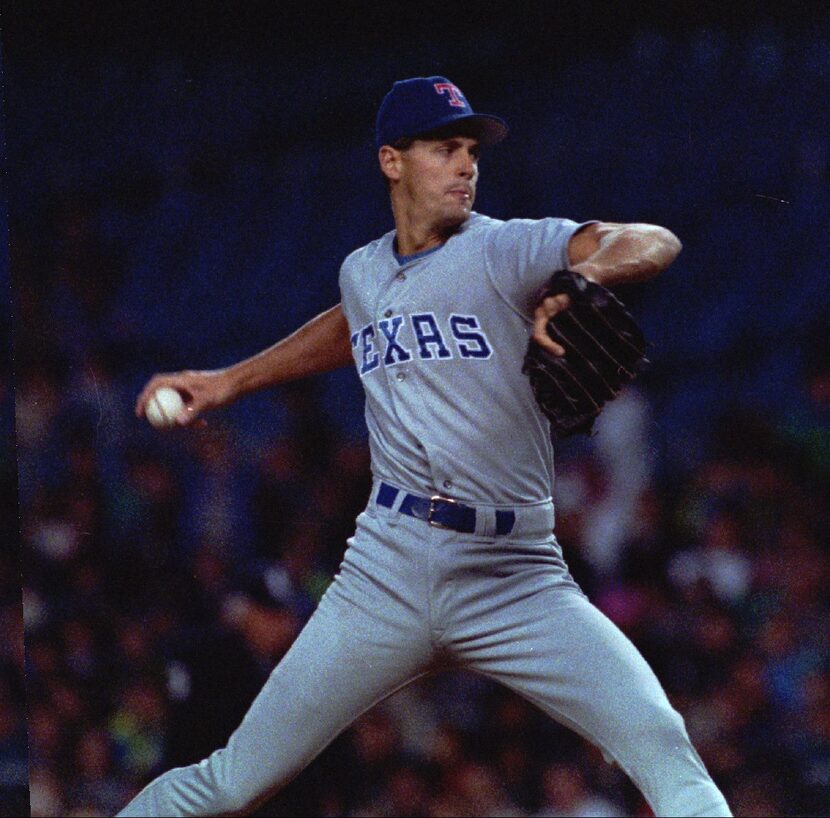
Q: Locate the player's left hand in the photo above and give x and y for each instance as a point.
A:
(550, 306)
(605, 350)
(545, 310)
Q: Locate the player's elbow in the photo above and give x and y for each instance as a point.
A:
(662, 247)
(671, 243)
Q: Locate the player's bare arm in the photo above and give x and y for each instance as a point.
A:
(609, 254)
(319, 346)
(612, 254)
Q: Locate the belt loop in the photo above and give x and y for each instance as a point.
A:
(485, 522)
(389, 500)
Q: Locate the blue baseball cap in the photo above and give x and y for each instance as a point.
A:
(416, 106)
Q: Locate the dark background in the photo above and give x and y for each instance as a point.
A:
(184, 182)
(14, 773)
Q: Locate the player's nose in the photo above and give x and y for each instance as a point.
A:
(468, 165)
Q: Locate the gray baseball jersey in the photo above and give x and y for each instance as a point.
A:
(438, 342)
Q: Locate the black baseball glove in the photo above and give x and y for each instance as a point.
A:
(604, 350)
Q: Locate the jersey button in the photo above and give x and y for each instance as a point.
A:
(401, 376)
(401, 276)
(387, 314)
(448, 484)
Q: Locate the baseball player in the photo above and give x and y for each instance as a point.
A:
(453, 562)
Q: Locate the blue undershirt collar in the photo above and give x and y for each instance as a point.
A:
(407, 259)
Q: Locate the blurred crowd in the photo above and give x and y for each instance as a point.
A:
(159, 180)
(149, 632)
(167, 573)
(13, 741)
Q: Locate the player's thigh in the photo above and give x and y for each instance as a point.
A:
(365, 640)
(340, 665)
(566, 656)
(361, 644)
(549, 643)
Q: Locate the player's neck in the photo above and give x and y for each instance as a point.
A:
(415, 235)
(409, 245)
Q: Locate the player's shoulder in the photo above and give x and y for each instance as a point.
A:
(368, 252)
(517, 232)
(478, 225)
(522, 225)
(515, 226)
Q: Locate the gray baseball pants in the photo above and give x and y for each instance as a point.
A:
(407, 594)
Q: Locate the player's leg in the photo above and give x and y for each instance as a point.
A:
(538, 634)
(366, 639)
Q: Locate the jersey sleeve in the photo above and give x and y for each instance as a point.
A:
(348, 296)
(523, 253)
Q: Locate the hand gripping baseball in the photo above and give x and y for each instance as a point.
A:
(201, 391)
(595, 348)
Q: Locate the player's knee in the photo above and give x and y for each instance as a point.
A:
(233, 800)
(673, 723)
(235, 797)
(241, 793)
(233, 791)
(647, 723)
(662, 725)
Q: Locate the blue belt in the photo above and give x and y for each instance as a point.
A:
(441, 512)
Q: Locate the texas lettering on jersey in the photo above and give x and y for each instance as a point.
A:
(387, 344)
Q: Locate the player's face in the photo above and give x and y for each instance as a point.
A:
(439, 178)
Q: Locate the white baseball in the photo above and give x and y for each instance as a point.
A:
(164, 407)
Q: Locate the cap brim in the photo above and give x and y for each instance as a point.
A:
(487, 128)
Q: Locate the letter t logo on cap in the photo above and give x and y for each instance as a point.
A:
(455, 98)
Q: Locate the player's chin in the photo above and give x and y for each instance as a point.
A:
(457, 213)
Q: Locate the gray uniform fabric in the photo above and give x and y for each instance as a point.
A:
(409, 597)
(439, 344)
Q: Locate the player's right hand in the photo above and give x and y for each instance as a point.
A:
(201, 390)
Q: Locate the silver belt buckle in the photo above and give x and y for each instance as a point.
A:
(432, 501)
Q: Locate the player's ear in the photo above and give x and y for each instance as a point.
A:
(390, 162)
